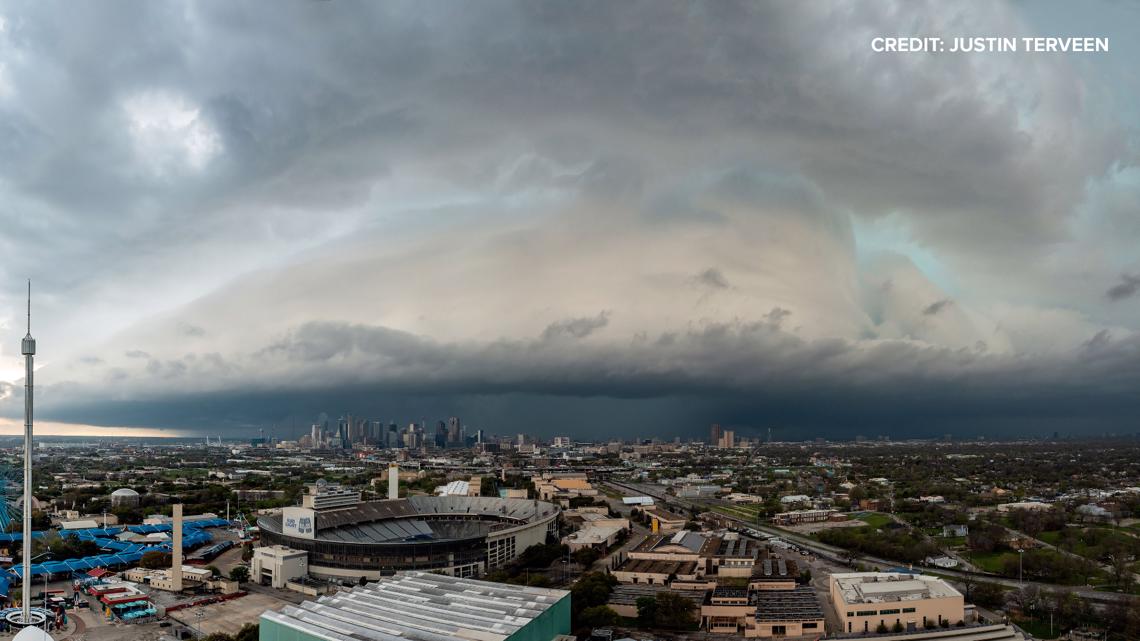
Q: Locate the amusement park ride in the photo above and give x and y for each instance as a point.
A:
(30, 619)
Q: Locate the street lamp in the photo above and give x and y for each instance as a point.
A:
(1020, 579)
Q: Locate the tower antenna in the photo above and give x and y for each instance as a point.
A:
(25, 616)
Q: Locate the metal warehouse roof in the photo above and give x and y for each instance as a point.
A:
(420, 606)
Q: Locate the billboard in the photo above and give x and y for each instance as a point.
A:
(300, 522)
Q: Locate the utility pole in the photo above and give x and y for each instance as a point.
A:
(1020, 578)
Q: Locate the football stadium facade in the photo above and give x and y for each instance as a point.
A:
(457, 535)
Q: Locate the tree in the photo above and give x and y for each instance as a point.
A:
(239, 573)
(593, 589)
(1121, 567)
(646, 611)
(968, 582)
(1026, 599)
(988, 595)
(599, 616)
(586, 556)
(155, 560)
(538, 581)
(674, 610)
(214, 570)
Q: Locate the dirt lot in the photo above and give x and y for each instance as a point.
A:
(227, 617)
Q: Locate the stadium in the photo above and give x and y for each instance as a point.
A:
(457, 535)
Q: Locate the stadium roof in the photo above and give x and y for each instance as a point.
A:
(420, 606)
(412, 519)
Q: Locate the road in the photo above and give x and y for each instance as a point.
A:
(841, 556)
(637, 534)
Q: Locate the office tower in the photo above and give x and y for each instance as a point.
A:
(479, 436)
(453, 430)
(315, 435)
(714, 434)
(440, 439)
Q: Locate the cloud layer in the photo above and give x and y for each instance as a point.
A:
(644, 216)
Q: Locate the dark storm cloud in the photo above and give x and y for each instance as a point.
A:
(192, 331)
(576, 327)
(776, 316)
(937, 306)
(230, 138)
(754, 373)
(1126, 288)
(1099, 341)
(712, 277)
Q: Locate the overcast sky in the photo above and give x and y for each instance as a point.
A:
(593, 218)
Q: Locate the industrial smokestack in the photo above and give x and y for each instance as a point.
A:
(176, 554)
(393, 481)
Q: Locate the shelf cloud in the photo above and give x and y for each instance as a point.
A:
(626, 218)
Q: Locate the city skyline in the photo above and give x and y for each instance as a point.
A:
(629, 219)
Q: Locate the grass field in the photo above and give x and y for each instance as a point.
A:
(1081, 547)
(875, 519)
(990, 561)
(743, 511)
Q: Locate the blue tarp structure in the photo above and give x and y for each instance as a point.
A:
(10, 537)
(207, 523)
(90, 534)
(119, 553)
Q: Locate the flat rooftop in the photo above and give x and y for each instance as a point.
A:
(799, 604)
(685, 542)
(420, 606)
(647, 566)
(738, 548)
(626, 594)
(884, 587)
(594, 534)
(775, 569)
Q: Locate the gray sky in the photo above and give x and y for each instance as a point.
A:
(590, 217)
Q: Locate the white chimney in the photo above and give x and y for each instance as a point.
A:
(176, 553)
(393, 481)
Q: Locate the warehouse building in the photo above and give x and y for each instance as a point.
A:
(874, 601)
(422, 606)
